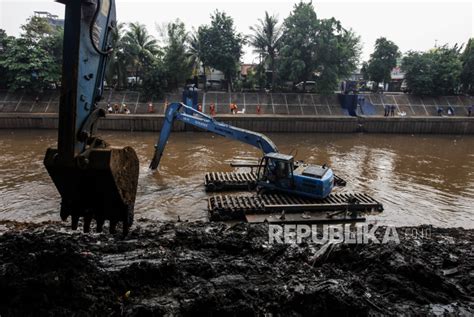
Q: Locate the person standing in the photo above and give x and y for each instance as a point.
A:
(233, 108)
(212, 110)
(259, 109)
(392, 110)
(469, 111)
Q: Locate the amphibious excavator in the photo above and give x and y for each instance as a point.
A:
(283, 185)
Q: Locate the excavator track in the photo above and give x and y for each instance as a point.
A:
(287, 208)
(224, 181)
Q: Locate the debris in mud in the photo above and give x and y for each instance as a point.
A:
(212, 268)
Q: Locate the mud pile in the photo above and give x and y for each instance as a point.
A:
(210, 269)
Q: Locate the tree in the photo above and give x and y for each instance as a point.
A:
(418, 73)
(338, 51)
(316, 49)
(266, 41)
(447, 68)
(382, 61)
(436, 72)
(154, 82)
(363, 71)
(467, 74)
(34, 60)
(42, 35)
(140, 48)
(195, 55)
(299, 58)
(221, 45)
(194, 51)
(5, 43)
(116, 73)
(176, 61)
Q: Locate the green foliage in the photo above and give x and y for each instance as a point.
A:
(34, 60)
(5, 43)
(266, 41)
(363, 71)
(339, 52)
(251, 80)
(116, 73)
(382, 61)
(316, 49)
(140, 48)
(194, 52)
(154, 81)
(260, 76)
(221, 45)
(436, 72)
(418, 72)
(176, 59)
(299, 59)
(467, 74)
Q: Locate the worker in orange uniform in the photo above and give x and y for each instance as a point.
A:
(233, 108)
(212, 109)
(259, 109)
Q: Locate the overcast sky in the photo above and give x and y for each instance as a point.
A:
(412, 25)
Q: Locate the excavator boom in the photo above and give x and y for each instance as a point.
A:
(205, 122)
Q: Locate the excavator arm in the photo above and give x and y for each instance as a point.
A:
(188, 115)
(95, 181)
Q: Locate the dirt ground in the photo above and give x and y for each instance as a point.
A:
(214, 269)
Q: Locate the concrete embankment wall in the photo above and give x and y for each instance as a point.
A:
(266, 123)
(270, 103)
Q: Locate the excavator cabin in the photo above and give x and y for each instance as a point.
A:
(278, 172)
(276, 167)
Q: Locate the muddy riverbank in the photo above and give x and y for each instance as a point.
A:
(212, 269)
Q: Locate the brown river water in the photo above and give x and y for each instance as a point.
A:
(419, 179)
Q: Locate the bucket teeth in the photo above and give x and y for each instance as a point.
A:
(103, 189)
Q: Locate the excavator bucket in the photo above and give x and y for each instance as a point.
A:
(101, 185)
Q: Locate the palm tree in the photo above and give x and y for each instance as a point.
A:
(266, 41)
(140, 47)
(117, 64)
(195, 54)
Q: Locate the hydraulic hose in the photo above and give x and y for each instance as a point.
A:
(91, 29)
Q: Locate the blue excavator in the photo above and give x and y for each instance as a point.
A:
(288, 191)
(95, 181)
(277, 172)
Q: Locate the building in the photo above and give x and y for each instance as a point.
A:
(53, 19)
